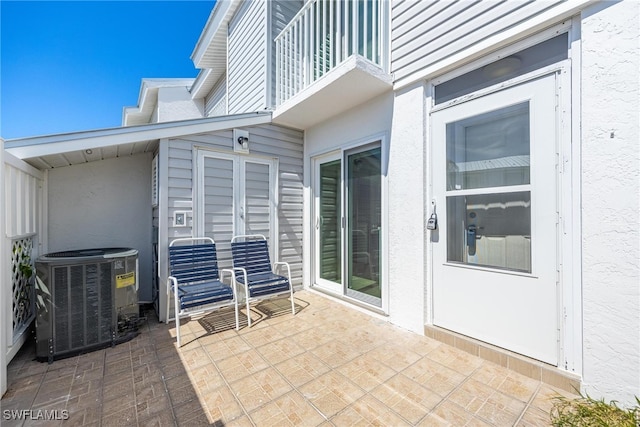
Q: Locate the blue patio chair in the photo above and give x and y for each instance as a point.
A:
(253, 269)
(194, 279)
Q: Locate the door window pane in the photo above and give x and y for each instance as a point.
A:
(492, 230)
(489, 150)
(330, 205)
(364, 221)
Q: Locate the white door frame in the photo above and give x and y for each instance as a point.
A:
(239, 169)
(340, 152)
(569, 297)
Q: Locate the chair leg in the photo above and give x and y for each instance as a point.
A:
(293, 306)
(177, 316)
(237, 317)
(248, 312)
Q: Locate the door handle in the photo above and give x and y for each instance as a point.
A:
(471, 239)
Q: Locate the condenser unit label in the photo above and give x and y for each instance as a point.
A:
(124, 280)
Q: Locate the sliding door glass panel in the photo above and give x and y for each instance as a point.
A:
(364, 191)
(330, 221)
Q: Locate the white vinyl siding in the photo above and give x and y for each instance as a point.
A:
(247, 67)
(216, 100)
(424, 33)
(269, 141)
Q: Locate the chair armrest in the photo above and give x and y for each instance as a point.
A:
(286, 264)
(174, 283)
(233, 280)
(227, 270)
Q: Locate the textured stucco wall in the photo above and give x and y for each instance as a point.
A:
(175, 103)
(610, 200)
(104, 204)
(406, 209)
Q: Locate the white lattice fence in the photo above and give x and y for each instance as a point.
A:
(22, 272)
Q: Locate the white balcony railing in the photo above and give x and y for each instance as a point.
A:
(322, 35)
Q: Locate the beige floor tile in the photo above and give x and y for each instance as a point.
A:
(221, 405)
(406, 398)
(328, 365)
(368, 411)
(259, 388)
(291, 409)
(312, 338)
(434, 376)
(471, 395)
(534, 417)
(206, 377)
(302, 368)
(500, 409)
(361, 340)
(335, 353)
(456, 359)
(331, 393)
(546, 396)
(279, 351)
(453, 414)
(506, 381)
(241, 365)
(366, 372)
(261, 336)
(220, 349)
(194, 358)
(395, 357)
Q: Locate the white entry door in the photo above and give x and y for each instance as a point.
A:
(494, 193)
(237, 195)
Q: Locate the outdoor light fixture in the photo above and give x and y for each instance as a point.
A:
(241, 141)
(88, 151)
(244, 142)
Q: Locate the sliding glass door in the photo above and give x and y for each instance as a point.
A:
(363, 225)
(347, 209)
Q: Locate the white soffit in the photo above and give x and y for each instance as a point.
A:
(351, 83)
(211, 48)
(51, 151)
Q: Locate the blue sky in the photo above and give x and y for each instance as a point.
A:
(70, 66)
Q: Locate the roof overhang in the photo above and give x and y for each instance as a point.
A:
(148, 100)
(47, 152)
(211, 49)
(351, 83)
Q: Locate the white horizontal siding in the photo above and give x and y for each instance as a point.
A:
(272, 141)
(216, 100)
(248, 59)
(425, 33)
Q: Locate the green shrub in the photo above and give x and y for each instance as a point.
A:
(588, 412)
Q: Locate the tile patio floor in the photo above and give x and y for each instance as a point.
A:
(328, 365)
